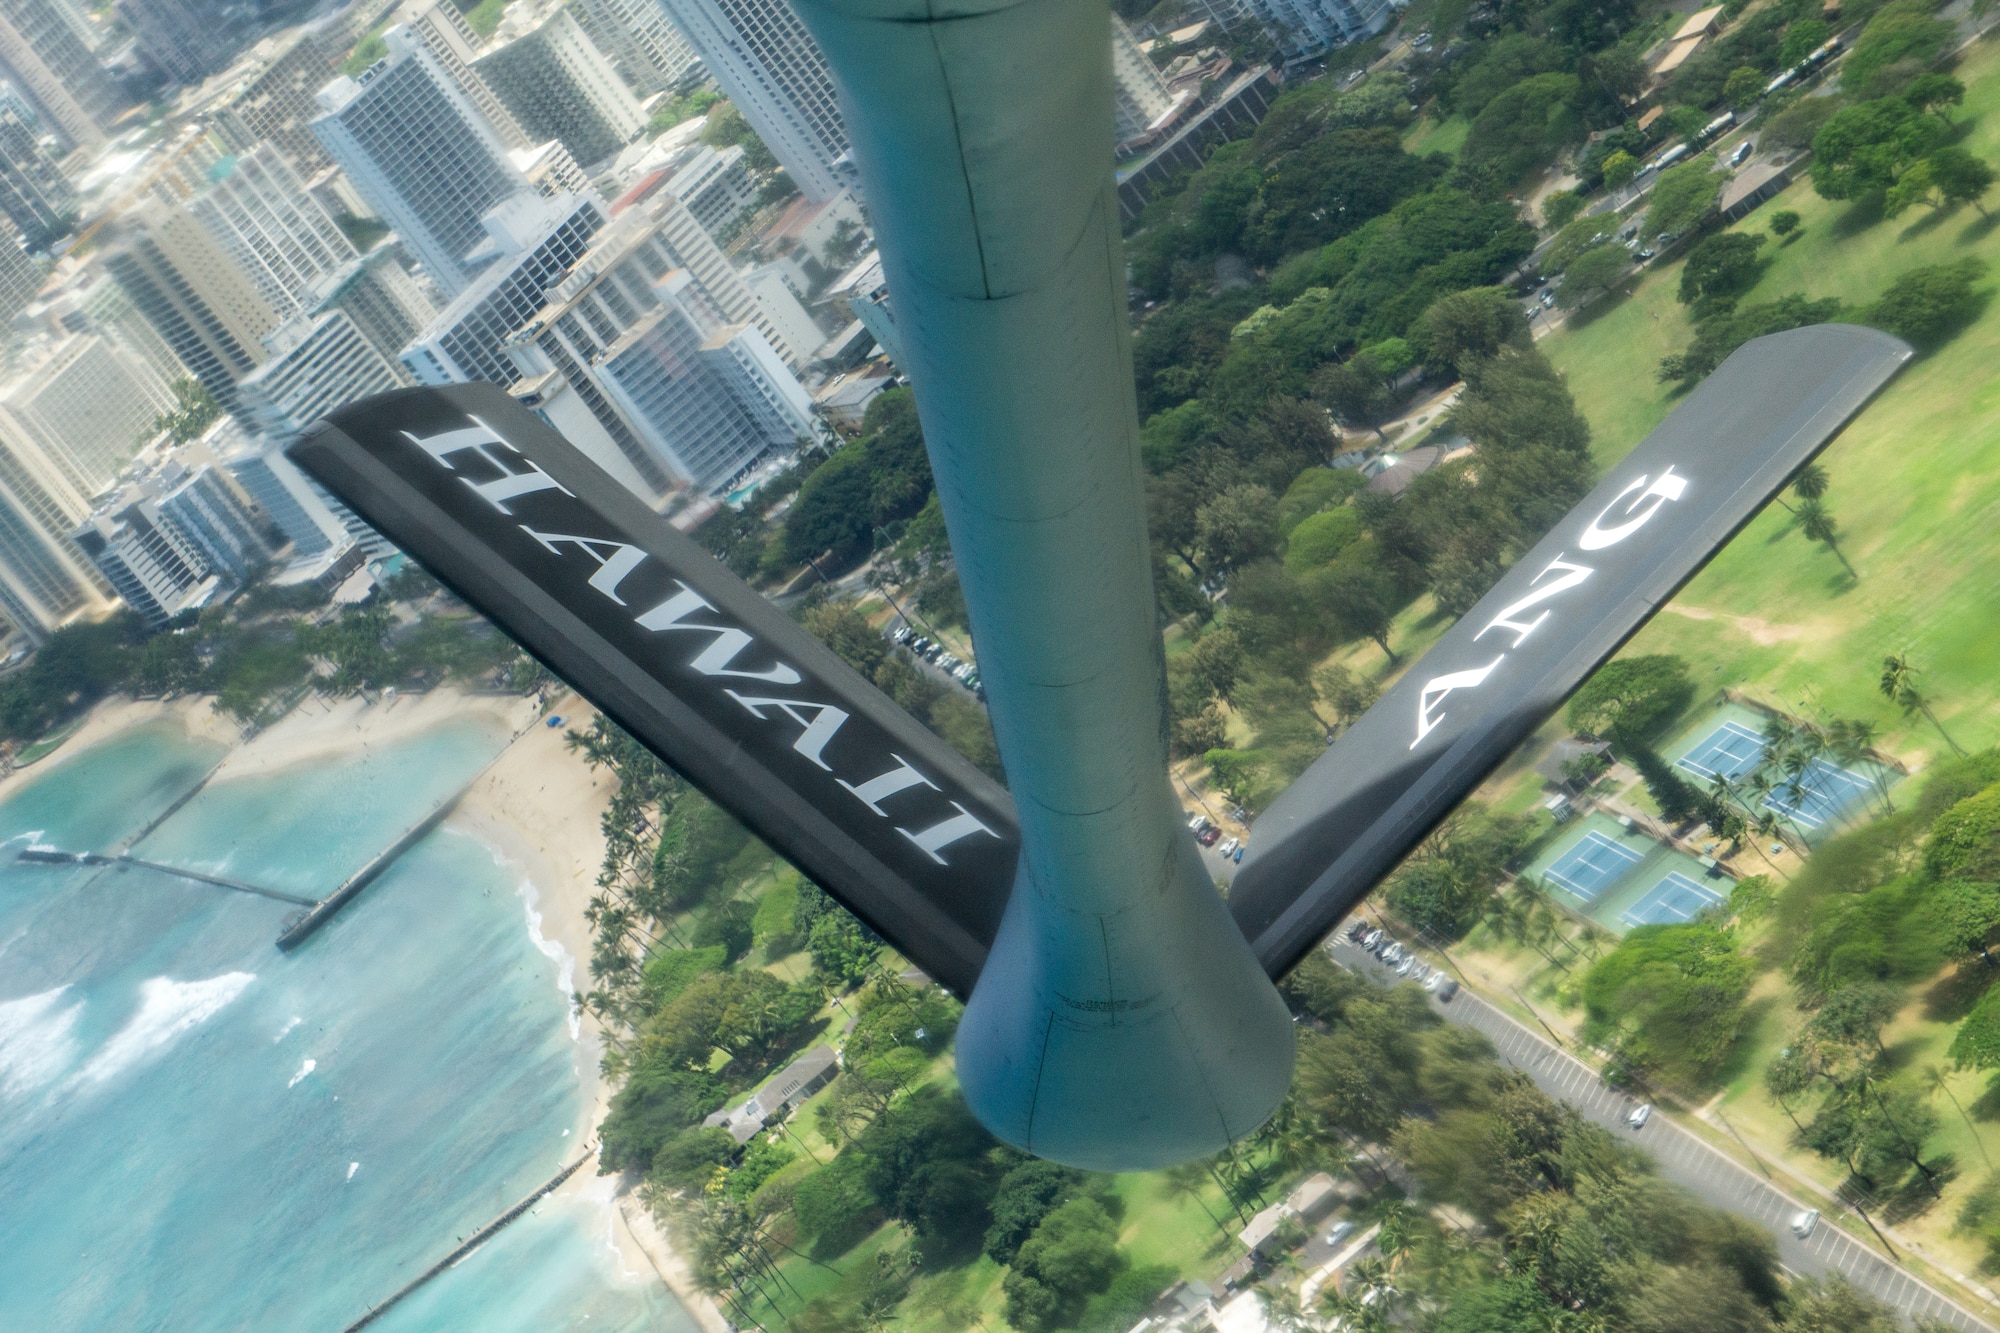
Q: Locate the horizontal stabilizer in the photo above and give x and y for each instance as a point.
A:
(1564, 608)
(688, 658)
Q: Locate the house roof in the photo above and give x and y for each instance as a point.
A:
(1700, 23)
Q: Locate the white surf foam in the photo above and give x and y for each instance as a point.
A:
(304, 1069)
(286, 1030)
(168, 1009)
(35, 1043)
(352, 1167)
(552, 950)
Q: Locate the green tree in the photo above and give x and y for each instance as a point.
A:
(1319, 538)
(1072, 1255)
(1817, 523)
(1619, 168)
(1898, 684)
(1903, 31)
(1526, 126)
(1935, 94)
(1744, 86)
(1026, 1195)
(1671, 996)
(193, 412)
(1592, 274)
(1683, 196)
(1560, 207)
(1472, 325)
(1720, 267)
(1784, 222)
(1632, 696)
(1977, 1042)
(1863, 149)
(1959, 177)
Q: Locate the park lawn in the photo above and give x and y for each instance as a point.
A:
(1161, 1228)
(1430, 136)
(1915, 485)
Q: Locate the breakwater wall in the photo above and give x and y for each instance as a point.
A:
(472, 1242)
(301, 927)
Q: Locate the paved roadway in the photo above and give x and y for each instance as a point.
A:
(1685, 1159)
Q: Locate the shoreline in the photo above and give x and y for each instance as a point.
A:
(538, 808)
(535, 809)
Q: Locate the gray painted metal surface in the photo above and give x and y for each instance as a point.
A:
(1563, 608)
(1121, 1022)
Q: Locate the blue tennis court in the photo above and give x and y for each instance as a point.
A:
(1731, 750)
(1673, 900)
(1592, 866)
(1822, 792)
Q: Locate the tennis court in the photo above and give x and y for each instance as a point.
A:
(1731, 750)
(1673, 900)
(1592, 866)
(1822, 792)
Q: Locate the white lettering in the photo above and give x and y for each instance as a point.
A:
(877, 790)
(1668, 487)
(818, 729)
(713, 660)
(511, 485)
(1435, 690)
(1572, 575)
(941, 835)
(611, 569)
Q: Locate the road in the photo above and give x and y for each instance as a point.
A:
(1685, 1159)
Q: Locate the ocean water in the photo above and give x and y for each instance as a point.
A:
(200, 1133)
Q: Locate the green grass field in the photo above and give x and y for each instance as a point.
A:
(1915, 482)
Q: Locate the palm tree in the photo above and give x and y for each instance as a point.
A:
(1819, 526)
(1187, 1181)
(1899, 686)
(1936, 1080)
(1851, 739)
(1810, 483)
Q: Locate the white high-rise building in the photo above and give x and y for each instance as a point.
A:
(258, 212)
(1140, 93)
(678, 393)
(205, 511)
(558, 84)
(1303, 28)
(381, 298)
(48, 61)
(45, 579)
(421, 154)
(534, 242)
(317, 363)
(311, 519)
(440, 27)
(648, 50)
(89, 405)
(762, 55)
(155, 570)
(207, 310)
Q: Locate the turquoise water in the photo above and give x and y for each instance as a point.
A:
(200, 1133)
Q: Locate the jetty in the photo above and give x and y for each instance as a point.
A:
(179, 803)
(473, 1242)
(56, 856)
(300, 928)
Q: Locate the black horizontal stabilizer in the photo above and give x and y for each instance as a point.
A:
(687, 658)
(1565, 607)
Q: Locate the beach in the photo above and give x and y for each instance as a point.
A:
(536, 807)
(540, 806)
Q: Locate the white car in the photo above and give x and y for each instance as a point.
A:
(1228, 845)
(1640, 1115)
(1804, 1221)
(1340, 1232)
(1436, 980)
(1403, 968)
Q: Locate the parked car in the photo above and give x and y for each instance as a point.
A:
(1448, 989)
(1804, 1221)
(1356, 930)
(1238, 858)
(1742, 153)
(1393, 954)
(1339, 1232)
(1640, 1114)
(1403, 968)
(1436, 980)
(1547, 297)
(1209, 836)
(1374, 938)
